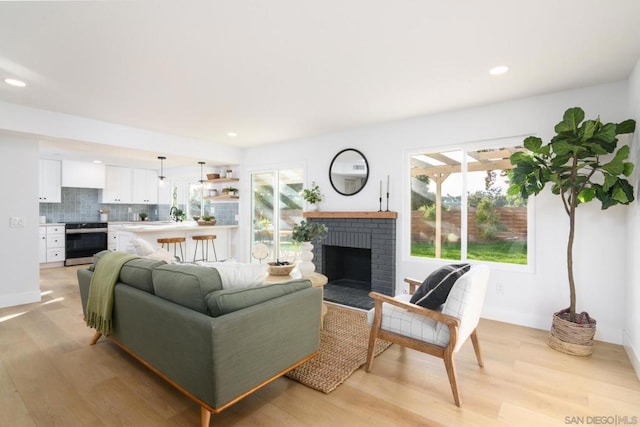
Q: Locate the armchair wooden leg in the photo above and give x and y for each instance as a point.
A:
(476, 347)
(453, 377)
(372, 345)
(95, 338)
(373, 336)
(205, 417)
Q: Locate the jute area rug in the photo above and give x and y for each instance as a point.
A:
(343, 349)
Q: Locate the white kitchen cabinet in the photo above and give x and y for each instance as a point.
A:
(112, 236)
(82, 174)
(145, 186)
(165, 190)
(50, 180)
(118, 185)
(42, 245)
(52, 245)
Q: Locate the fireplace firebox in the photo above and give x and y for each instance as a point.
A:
(342, 265)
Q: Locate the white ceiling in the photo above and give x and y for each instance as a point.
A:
(286, 69)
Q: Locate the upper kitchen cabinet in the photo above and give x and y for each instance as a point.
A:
(145, 186)
(82, 174)
(49, 181)
(118, 185)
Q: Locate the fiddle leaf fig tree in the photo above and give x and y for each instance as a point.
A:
(582, 163)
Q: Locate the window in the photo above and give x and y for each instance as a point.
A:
(460, 209)
(276, 207)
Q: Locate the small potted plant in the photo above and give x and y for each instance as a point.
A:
(178, 215)
(143, 216)
(304, 233)
(308, 231)
(231, 191)
(312, 196)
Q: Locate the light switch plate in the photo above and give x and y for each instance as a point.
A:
(16, 221)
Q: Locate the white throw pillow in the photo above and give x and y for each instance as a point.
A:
(238, 275)
(162, 255)
(140, 247)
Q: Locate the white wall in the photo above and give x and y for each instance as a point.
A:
(19, 198)
(529, 298)
(632, 296)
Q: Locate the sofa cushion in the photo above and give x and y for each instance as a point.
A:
(138, 273)
(187, 285)
(433, 292)
(230, 300)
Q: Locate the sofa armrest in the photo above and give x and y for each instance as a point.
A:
(256, 343)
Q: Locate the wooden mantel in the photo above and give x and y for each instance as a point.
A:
(375, 214)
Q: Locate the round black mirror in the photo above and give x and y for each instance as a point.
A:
(349, 172)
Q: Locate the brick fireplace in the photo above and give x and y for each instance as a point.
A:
(359, 246)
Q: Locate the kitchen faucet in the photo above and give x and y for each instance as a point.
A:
(172, 213)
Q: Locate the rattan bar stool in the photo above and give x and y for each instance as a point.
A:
(204, 249)
(175, 240)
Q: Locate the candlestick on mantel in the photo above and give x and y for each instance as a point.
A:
(380, 188)
(387, 194)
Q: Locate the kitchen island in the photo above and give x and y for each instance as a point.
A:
(152, 231)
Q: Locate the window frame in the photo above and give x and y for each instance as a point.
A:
(493, 143)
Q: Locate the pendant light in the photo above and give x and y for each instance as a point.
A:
(161, 177)
(202, 185)
(202, 180)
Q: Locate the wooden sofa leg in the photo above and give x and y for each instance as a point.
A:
(205, 417)
(95, 338)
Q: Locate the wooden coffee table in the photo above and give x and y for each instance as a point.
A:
(317, 281)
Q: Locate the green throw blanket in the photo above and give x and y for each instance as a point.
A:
(100, 299)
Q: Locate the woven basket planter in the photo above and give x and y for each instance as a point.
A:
(572, 338)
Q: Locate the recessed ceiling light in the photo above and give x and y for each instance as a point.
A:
(15, 82)
(500, 69)
(232, 134)
(97, 161)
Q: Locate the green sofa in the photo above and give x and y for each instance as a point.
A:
(216, 346)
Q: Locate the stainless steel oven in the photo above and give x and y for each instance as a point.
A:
(83, 240)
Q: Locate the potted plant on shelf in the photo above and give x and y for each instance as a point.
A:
(312, 196)
(305, 233)
(231, 191)
(582, 163)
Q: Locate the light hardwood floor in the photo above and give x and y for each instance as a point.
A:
(50, 376)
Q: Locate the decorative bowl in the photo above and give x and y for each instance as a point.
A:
(280, 270)
(210, 222)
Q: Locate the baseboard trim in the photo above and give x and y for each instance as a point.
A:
(632, 353)
(19, 298)
(532, 320)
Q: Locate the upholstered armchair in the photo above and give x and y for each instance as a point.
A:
(439, 333)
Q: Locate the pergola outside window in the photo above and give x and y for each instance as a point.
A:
(460, 209)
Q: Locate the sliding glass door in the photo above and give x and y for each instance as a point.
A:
(276, 207)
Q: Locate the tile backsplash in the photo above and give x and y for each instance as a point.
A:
(83, 204)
